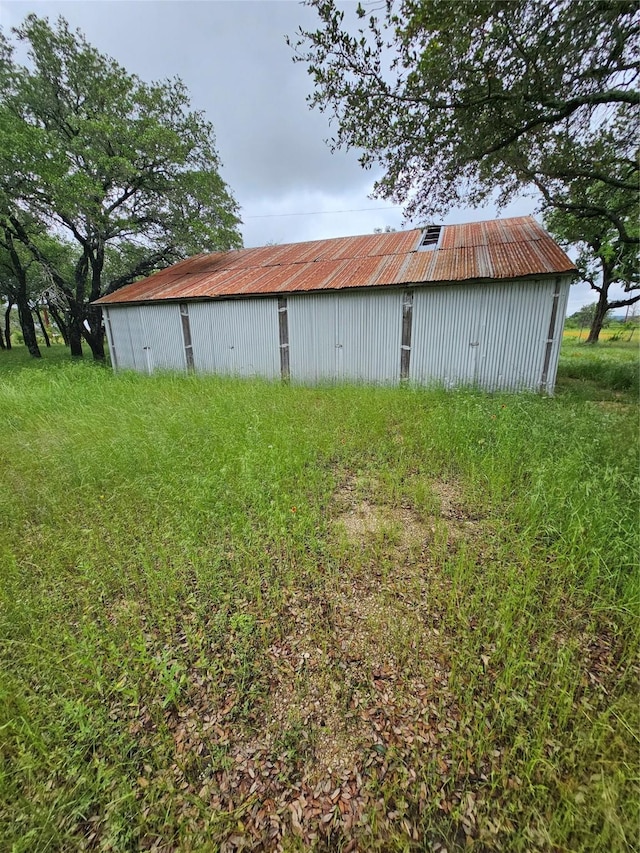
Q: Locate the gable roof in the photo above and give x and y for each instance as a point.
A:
(495, 249)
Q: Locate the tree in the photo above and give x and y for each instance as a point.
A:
(26, 283)
(583, 317)
(15, 263)
(604, 259)
(458, 102)
(123, 168)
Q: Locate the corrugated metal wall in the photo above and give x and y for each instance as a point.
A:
(162, 337)
(312, 337)
(123, 322)
(147, 337)
(236, 336)
(345, 336)
(369, 332)
(491, 335)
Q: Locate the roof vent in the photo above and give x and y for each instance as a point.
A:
(430, 238)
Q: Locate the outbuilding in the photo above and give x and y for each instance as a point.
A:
(477, 304)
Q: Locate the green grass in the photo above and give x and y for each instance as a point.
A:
(599, 371)
(222, 602)
(18, 358)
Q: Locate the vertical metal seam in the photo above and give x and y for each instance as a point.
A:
(405, 345)
(552, 329)
(283, 331)
(186, 335)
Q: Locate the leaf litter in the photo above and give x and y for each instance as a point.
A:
(350, 710)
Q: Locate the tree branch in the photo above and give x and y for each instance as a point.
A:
(144, 267)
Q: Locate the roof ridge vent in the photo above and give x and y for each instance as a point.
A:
(430, 238)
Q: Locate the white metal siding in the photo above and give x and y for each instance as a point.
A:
(369, 336)
(162, 339)
(121, 332)
(513, 343)
(110, 341)
(443, 326)
(236, 336)
(491, 335)
(345, 336)
(148, 337)
(312, 337)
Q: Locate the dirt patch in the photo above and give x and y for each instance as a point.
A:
(309, 713)
(450, 499)
(363, 519)
(366, 519)
(365, 636)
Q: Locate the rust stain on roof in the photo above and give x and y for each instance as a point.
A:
(495, 249)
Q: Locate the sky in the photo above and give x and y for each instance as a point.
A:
(234, 60)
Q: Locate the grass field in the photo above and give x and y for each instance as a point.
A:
(602, 371)
(240, 615)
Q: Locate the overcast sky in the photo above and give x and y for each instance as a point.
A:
(233, 58)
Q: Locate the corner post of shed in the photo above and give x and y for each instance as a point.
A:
(110, 338)
(544, 379)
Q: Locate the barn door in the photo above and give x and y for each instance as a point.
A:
(136, 335)
(477, 337)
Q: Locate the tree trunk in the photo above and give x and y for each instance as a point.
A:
(42, 326)
(603, 304)
(75, 329)
(7, 325)
(96, 343)
(2, 346)
(601, 312)
(94, 335)
(21, 299)
(28, 326)
(75, 336)
(60, 323)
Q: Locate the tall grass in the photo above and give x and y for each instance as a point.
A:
(161, 536)
(611, 364)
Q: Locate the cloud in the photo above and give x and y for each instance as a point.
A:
(235, 62)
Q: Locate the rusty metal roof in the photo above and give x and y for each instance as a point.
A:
(494, 250)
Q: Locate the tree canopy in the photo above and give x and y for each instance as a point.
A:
(604, 258)
(458, 102)
(124, 170)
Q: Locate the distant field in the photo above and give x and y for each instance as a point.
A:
(239, 615)
(624, 336)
